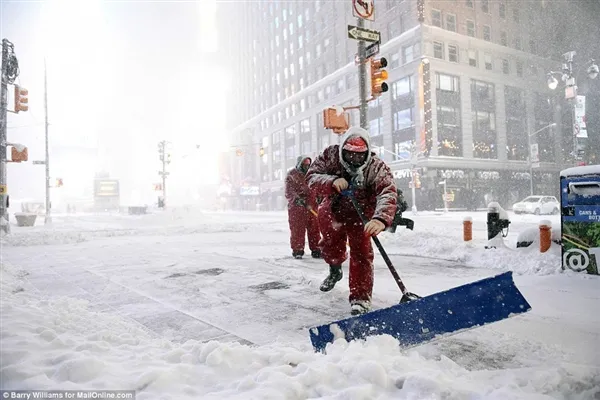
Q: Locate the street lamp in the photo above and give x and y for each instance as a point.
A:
(529, 144)
(568, 78)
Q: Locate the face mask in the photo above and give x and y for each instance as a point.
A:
(304, 167)
(355, 160)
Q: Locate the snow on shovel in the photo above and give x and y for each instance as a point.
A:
(417, 320)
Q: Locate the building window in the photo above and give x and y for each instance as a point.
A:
(469, 3)
(519, 68)
(516, 140)
(436, 18)
(482, 93)
(518, 43)
(473, 58)
(502, 10)
(306, 147)
(401, 87)
(532, 47)
(503, 39)
(487, 33)
(488, 61)
(505, 67)
(452, 53)
(376, 126)
(276, 137)
(485, 6)
(484, 134)
(402, 119)
(451, 22)
(290, 132)
(470, 28)
(408, 54)
(305, 126)
(395, 60)
(447, 83)
(438, 50)
(449, 131)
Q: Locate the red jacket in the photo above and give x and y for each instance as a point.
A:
(296, 187)
(377, 196)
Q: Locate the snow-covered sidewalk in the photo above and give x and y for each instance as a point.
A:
(213, 306)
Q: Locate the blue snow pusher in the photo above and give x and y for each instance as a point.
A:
(421, 320)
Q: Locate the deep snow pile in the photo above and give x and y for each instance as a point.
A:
(442, 244)
(58, 343)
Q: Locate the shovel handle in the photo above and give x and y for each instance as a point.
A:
(387, 260)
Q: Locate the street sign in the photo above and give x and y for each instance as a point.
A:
(356, 33)
(372, 49)
(364, 9)
(37, 162)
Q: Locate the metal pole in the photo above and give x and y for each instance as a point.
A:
(530, 163)
(3, 138)
(48, 218)
(164, 173)
(445, 198)
(362, 80)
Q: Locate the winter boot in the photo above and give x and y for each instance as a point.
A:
(358, 307)
(335, 275)
(316, 254)
(297, 254)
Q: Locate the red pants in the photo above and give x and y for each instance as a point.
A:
(302, 221)
(333, 249)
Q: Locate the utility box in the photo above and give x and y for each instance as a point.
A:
(580, 218)
(25, 219)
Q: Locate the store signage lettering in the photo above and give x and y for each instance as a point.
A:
(452, 173)
(488, 175)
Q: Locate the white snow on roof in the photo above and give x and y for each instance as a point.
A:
(580, 171)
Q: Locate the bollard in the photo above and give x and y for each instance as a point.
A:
(545, 235)
(467, 229)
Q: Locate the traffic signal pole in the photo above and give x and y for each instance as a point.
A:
(162, 150)
(362, 80)
(3, 138)
(48, 218)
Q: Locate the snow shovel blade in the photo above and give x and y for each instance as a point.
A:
(422, 320)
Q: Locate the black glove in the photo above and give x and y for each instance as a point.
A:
(300, 202)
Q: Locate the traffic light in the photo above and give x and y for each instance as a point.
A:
(378, 76)
(239, 152)
(59, 182)
(261, 151)
(21, 99)
(417, 180)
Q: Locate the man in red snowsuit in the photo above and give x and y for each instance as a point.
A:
(351, 165)
(302, 212)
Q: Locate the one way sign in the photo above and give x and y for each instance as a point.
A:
(356, 33)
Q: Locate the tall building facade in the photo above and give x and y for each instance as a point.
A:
(486, 70)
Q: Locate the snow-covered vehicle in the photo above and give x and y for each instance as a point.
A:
(537, 205)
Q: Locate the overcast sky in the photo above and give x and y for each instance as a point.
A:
(122, 76)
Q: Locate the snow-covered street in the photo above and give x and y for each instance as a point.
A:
(192, 304)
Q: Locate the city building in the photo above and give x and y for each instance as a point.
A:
(467, 89)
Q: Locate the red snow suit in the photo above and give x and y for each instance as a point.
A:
(300, 217)
(339, 221)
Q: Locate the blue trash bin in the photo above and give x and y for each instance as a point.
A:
(580, 218)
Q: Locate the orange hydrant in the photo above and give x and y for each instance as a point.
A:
(467, 229)
(545, 235)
